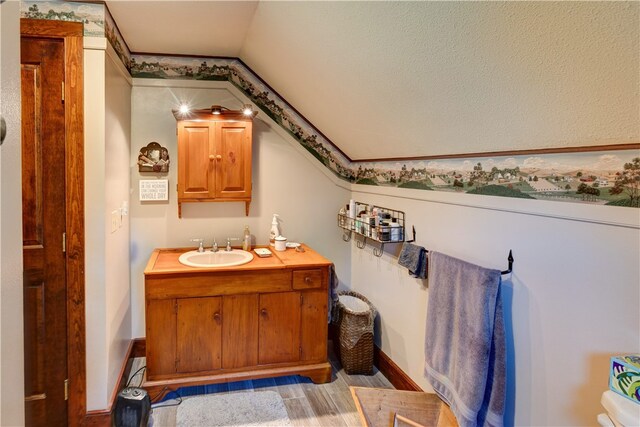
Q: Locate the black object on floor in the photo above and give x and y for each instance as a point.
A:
(133, 407)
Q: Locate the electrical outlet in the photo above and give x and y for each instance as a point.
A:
(115, 219)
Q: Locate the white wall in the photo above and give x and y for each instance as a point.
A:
(286, 180)
(570, 303)
(117, 186)
(11, 324)
(107, 141)
(95, 225)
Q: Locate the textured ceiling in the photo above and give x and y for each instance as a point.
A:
(209, 28)
(405, 79)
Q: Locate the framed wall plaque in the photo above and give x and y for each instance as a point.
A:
(153, 158)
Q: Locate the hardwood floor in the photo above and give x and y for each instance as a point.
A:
(308, 404)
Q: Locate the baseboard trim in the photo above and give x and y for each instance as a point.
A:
(102, 417)
(392, 372)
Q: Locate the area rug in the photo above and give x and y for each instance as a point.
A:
(260, 409)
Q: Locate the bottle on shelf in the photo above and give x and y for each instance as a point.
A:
(275, 230)
(395, 230)
(246, 239)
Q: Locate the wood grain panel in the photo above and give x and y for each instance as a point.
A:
(377, 407)
(240, 331)
(203, 284)
(313, 326)
(161, 337)
(233, 144)
(74, 130)
(279, 333)
(195, 169)
(31, 155)
(34, 329)
(199, 334)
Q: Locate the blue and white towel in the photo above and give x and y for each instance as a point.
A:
(414, 258)
(465, 340)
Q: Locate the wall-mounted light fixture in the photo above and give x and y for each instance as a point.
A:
(217, 109)
(185, 112)
(247, 110)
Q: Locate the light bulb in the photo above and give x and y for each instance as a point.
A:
(184, 109)
(247, 110)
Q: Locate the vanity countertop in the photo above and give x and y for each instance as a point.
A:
(164, 261)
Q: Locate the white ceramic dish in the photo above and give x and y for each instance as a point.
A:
(293, 245)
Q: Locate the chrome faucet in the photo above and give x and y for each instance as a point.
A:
(214, 248)
(228, 244)
(200, 245)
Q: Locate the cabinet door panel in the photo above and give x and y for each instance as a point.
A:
(195, 169)
(199, 334)
(313, 334)
(161, 337)
(233, 145)
(279, 339)
(240, 331)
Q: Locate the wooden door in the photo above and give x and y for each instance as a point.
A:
(199, 334)
(240, 331)
(279, 328)
(196, 162)
(233, 159)
(43, 228)
(313, 326)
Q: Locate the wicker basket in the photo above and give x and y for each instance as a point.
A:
(355, 337)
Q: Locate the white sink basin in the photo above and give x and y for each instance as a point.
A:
(221, 258)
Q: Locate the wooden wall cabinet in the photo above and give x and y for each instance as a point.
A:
(209, 326)
(214, 159)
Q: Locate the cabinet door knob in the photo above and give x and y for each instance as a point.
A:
(218, 157)
(308, 279)
(263, 312)
(211, 157)
(216, 317)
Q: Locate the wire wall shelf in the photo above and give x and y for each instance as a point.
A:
(373, 224)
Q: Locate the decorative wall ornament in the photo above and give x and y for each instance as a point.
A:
(153, 158)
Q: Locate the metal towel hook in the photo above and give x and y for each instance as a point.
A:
(510, 259)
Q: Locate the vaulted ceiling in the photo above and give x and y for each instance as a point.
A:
(406, 79)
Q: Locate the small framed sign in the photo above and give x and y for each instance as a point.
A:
(154, 190)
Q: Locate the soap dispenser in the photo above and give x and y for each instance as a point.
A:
(275, 230)
(246, 240)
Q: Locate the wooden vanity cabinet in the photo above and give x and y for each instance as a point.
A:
(213, 327)
(214, 159)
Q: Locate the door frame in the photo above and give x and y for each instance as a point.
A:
(71, 33)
